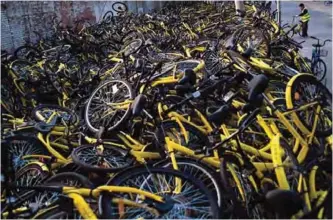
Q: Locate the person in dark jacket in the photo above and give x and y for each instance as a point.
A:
(305, 18)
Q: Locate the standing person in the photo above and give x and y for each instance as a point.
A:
(305, 18)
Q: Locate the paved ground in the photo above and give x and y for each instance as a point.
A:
(320, 26)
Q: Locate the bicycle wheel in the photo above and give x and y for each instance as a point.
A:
(320, 181)
(131, 35)
(277, 89)
(8, 102)
(27, 52)
(196, 139)
(299, 30)
(31, 174)
(119, 7)
(236, 182)
(110, 159)
(61, 179)
(108, 105)
(193, 201)
(19, 146)
(54, 212)
(303, 89)
(131, 47)
(23, 68)
(254, 135)
(319, 69)
(108, 16)
(44, 111)
(254, 38)
(69, 179)
(200, 172)
(281, 53)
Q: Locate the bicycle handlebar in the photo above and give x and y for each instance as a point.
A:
(327, 40)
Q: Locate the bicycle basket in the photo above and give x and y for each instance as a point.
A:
(323, 53)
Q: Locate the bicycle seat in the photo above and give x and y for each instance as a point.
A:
(219, 115)
(138, 104)
(257, 86)
(240, 13)
(139, 63)
(284, 203)
(188, 77)
(181, 89)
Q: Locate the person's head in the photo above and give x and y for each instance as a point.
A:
(301, 6)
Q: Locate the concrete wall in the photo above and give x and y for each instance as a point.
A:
(20, 19)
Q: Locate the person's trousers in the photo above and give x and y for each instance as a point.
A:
(305, 29)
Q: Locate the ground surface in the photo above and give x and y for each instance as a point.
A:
(320, 26)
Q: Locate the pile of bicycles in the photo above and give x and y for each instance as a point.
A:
(188, 112)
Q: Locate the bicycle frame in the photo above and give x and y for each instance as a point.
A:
(84, 208)
(78, 194)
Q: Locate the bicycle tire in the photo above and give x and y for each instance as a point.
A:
(118, 9)
(233, 184)
(277, 89)
(281, 52)
(30, 175)
(301, 65)
(22, 62)
(319, 76)
(131, 35)
(73, 179)
(43, 171)
(128, 48)
(299, 33)
(105, 17)
(13, 144)
(104, 200)
(209, 175)
(29, 48)
(119, 153)
(73, 176)
(293, 101)
(236, 36)
(89, 103)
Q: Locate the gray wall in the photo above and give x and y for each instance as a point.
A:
(19, 19)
